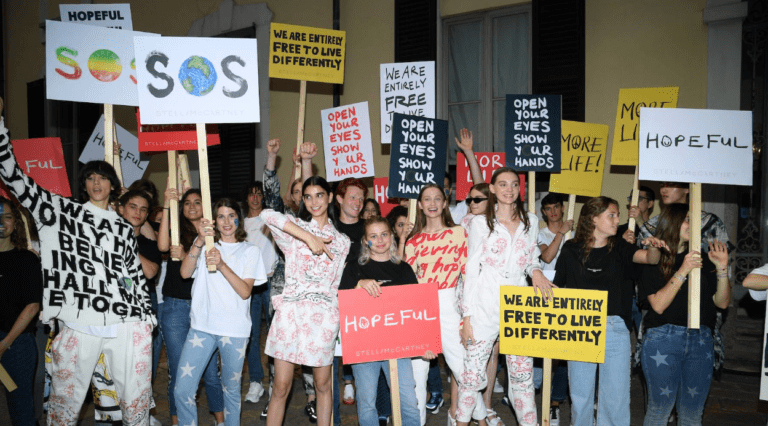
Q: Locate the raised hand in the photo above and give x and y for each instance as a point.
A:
(466, 142)
(718, 254)
(308, 151)
(273, 145)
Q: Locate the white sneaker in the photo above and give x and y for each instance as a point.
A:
(254, 392)
(153, 421)
(349, 394)
(497, 387)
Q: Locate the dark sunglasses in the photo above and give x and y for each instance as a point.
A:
(477, 200)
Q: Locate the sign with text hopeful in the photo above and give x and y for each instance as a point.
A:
(533, 132)
(173, 137)
(403, 322)
(306, 53)
(418, 154)
(117, 16)
(583, 165)
(133, 163)
(186, 80)
(43, 160)
(386, 204)
(489, 162)
(347, 142)
(571, 326)
(625, 131)
(84, 63)
(696, 145)
(407, 88)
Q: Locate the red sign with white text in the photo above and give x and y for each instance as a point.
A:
(380, 195)
(43, 160)
(173, 137)
(403, 322)
(489, 162)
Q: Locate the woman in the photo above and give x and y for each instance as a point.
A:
(370, 209)
(677, 360)
(220, 314)
(596, 259)
(306, 320)
(379, 266)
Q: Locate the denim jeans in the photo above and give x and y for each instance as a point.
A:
(259, 306)
(383, 397)
(157, 335)
(336, 398)
(367, 379)
(175, 328)
(434, 381)
(677, 363)
(20, 362)
(559, 380)
(199, 348)
(613, 397)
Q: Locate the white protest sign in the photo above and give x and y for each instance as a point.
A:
(117, 16)
(696, 145)
(132, 161)
(407, 88)
(84, 63)
(185, 80)
(347, 142)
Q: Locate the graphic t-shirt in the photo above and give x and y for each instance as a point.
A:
(439, 256)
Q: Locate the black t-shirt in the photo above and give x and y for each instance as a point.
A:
(355, 232)
(21, 283)
(651, 281)
(605, 270)
(149, 250)
(394, 274)
(175, 286)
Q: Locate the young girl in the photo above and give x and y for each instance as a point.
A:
(677, 361)
(306, 320)
(370, 209)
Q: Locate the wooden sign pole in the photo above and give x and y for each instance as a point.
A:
(300, 133)
(205, 184)
(174, 212)
(109, 121)
(694, 277)
(571, 211)
(394, 389)
(117, 159)
(635, 198)
(184, 171)
(6, 379)
(532, 192)
(412, 211)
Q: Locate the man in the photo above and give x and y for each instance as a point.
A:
(646, 200)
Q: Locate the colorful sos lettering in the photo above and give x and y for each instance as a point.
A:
(197, 75)
(103, 64)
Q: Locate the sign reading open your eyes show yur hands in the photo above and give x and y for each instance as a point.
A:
(197, 80)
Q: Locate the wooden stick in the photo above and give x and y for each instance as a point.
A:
(6, 379)
(174, 212)
(571, 212)
(205, 185)
(412, 211)
(694, 278)
(635, 198)
(302, 109)
(394, 389)
(118, 157)
(109, 122)
(532, 192)
(184, 170)
(546, 391)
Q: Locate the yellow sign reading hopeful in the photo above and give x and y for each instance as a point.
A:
(571, 326)
(307, 53)
(582, 160)
(625, 133)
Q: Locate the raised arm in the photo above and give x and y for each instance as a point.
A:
(549, 251)
(652, 254)
(272, 199)
(466, 144)
(308, 152)
(661, 300)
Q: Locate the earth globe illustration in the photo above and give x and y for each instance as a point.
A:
(197, 75)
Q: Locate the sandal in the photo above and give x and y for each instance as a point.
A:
(493, 419)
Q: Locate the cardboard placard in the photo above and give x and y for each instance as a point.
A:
(347, 142)
(533, 132)
(186, 80)
(583, 164)
(625, 131)
(696, 145)
(386, 204)
(407, 88)
(43, 160)
(132, 161)
(570, 327)
(85, 63)
(418, 154)
(173, 137)
(117, 16)
(306, 53)
(403, 322)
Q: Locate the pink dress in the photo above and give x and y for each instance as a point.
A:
(306, 320)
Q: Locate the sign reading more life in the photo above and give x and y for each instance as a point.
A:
(624, 149)
(347, 142)
(117, 16)
(306, 53)
(418, 154)
(583, 164)
(407, 88)
(533, 132)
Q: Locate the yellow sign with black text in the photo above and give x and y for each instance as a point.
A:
(582, 162)
(626, 131)
(306, 53)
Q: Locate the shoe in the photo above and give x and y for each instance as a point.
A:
(255, 391)
(496, 420)
(264, 413)
(497, 387)
(153, 421)
(554, 416)
(671, 418)
(349, 394)
(383, 420)
(506, 402)
(311, 411)
(435, 402)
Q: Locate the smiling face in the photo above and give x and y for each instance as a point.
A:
(506, 188)
(98, 188)
(351, 204)
(135, 211)
(227, 223)
(255, 197)
(607, 222)
(193, 207)
(380, 239)
(432, 202)
(7, 223)
(553, 212)
(477, 208)
(316, 201)
(369, 211)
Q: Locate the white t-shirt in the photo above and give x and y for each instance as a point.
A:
(458, 211)
(759, 294)
(216, 307)
(258, 235)
(546, 237)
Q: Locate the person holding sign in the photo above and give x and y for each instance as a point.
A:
(677, 360)
(306, 320)
(597, 259)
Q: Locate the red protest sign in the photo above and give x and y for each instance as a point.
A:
(403, 322)
(173, 137)
(380, 195)
(43, 160)
(489, 162)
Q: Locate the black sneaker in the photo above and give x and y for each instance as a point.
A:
(264, 413)
(311, 411)
(435, 402)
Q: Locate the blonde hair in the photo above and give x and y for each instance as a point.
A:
(365, 250)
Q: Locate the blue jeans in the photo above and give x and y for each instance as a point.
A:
(559, 380)
(367, 378)
(613, 397)
(199, 349)
(637, 316)
(175, 328)
(157, 335)
(677, 363)
(434, 381)
(336, 398)
(383, 397)
(20, 362)
(259, 305)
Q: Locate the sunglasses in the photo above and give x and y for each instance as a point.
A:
(477, 200)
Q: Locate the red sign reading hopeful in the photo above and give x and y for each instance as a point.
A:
(403, 322)
(43, 160)
(380, 195)
(173, 137)
(489, 162)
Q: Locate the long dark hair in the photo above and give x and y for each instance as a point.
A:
(101, 168)
(304, 213)
(188, 231)
(490, 209)
(240, 234)
(671, 220)
(395, 214)
(421, 219)
(586, 227)
(248, 190)
(19, 235)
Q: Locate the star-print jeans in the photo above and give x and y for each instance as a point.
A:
(198, 350)
(677, 363)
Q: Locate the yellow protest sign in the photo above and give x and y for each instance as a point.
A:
(571, 326)
(306, 53)
(582, 159)
(625, 132)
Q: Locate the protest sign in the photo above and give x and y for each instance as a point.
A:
(407, 88)
(533, 132)
(624, 149)
(197, 80)
(418, 154)
(488, 162)
(117, 16)
(571, 326)
(347, 142)
(133, 163)
(173, 137)
(386, 204)
(43, 160)
(583, 163)
(306, 53)
(403, 322)
(696, 145)
(108, 55)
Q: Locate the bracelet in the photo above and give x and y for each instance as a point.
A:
(681, 278)
(199, 247)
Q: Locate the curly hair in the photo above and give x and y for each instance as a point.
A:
(585, 231)
(671, 220)
(490, 209)
(421, 218)
(19, 234)
(365, 250)
(240, 234)
(101, 168)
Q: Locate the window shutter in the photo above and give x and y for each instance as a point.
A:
(415, 30)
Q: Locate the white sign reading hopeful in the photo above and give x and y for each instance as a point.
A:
(696, 145)
(184, 80)
(133, 163)
(117, 16)
(347, 142)
(84, 63)
(407, 88)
